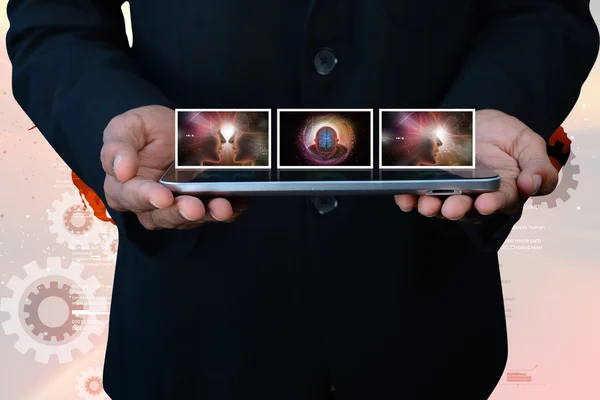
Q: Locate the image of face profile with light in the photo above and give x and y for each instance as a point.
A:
(209, 148)
(427, 139)
(223, 139)
(198, 145)
(430, 147)
(250, 148)
(227, 130)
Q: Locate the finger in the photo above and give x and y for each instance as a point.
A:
(429, 206)
(190, 212)
(220, 209)
(473, 216)
(151, 223)
(111, 191)
(504, 198)
(174, 216)
(123, 139)
(225, 210)
(139, 194)
(538, 176)
(406, 202)
(538, 179)
(456, 207)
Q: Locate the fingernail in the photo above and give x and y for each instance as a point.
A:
(154, 204)
(213, 216)
(409, 210)
(117, 161)
(537, 183)
(184, 216)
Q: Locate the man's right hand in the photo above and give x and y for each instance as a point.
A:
(139, 146)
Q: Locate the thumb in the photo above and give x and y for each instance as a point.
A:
(123, 139)
(538, 176)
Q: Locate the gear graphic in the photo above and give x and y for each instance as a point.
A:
(562, 190)
(64, 293)
(74, 223)
(37, 295)
(110, 244)
(89, 384)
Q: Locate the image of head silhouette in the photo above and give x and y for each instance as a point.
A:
(426, 139)
(326, 144)
(424, 149)
(198, 147)
(250, 148)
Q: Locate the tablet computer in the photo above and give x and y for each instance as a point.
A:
(269, 182)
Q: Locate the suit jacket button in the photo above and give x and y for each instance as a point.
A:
(325, 61)
(325, 204)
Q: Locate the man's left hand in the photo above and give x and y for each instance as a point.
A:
(513, 151)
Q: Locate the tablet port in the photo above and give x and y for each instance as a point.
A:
(442, 192)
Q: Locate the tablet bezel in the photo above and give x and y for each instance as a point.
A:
(483, 180)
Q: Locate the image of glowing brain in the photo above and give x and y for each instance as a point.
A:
(326, 128)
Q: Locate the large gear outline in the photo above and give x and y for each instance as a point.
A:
(38, 327)
(89, 384)
(110, 244)
(23, 289)
(83, 237)
(562, 190)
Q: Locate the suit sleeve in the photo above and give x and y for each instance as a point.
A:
(529, 60)
(72, 73)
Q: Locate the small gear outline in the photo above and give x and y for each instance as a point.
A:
(89, 384)
(110, 244)
(75, 237)
(38, 281)
(562, 190)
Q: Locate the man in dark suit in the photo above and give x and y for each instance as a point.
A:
(301, 298)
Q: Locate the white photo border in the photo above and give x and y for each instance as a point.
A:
(216, 110)
(325, 110)
(426, 167)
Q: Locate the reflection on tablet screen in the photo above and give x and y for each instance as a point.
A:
(232, 176)
(246, 175)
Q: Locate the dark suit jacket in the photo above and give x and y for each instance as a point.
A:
(286, 302)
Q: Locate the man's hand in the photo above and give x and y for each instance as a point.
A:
(139, 146)
(512, 150)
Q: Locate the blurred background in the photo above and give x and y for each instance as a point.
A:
(53, 333)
